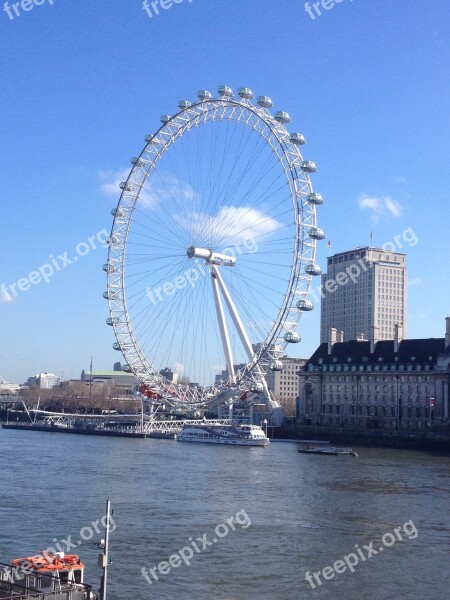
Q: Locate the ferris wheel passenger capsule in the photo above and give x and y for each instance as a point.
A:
(276, 365)
(292, 337)
(314, 199)
(204, 95)
(116, 346)
(264, 101)
(308, 166)
(257, 387)
(109, 295)
(137, 161)
(109, 268)
(298, 139)
(126, 187)
(118, 213)
(316, 233)
(305, 305)
(184, 104)
(313, 270)
(165, 119)
(225, 91)
(113, 241)
(245, 92)
(282, 117)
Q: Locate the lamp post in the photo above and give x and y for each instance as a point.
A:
(103, 559)
(431, 408)
(357, 400)
(398, 404)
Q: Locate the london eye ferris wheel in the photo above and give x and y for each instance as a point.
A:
(212, 248)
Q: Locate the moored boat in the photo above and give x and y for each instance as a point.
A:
(233, 435)
(328, 450)
(58, 576)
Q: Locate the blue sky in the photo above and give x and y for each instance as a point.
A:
(83, 81)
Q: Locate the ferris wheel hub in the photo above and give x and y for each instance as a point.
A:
(212, 258)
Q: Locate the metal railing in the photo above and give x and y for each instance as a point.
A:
(13, 586)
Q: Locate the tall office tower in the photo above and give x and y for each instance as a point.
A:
(363, 294)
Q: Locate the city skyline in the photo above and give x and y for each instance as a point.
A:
(369, 139)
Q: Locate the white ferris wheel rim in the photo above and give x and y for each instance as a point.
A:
(287, 151)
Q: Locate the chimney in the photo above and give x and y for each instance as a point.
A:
(340, 337)
(447, 332)
(398, 336)
(332, 339)
(373, 338)
(360, 337)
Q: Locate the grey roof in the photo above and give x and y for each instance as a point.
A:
(359, 352)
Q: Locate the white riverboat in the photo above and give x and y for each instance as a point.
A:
(233, 435)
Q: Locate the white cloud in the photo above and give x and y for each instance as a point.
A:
(111, 181)
(415, 281)
(233, 224)
(383, 207)
(178, 368)
(166, 189)
(393, 207)
(6, 298)
(169, 190)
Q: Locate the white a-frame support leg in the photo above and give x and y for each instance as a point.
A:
(217, 278)
(222, 325)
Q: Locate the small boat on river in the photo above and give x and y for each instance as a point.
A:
(324, 449)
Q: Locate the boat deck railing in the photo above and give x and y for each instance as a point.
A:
(13, 586)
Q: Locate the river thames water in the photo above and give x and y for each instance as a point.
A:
(293, 513)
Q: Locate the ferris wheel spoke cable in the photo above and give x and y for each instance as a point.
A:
(239, 216)
(219, 192)
(224, 193)
(246, 169)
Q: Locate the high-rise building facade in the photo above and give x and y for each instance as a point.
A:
(284, 384)
(364, 294)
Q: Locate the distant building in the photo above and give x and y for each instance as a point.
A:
(170, 375)
(44, 381)
(284, 384)
(364, 290)
(224, 375)
(393, 384)
(124, 383)
(9, 389)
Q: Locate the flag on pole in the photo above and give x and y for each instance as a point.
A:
(371, 235)
(329, 244)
